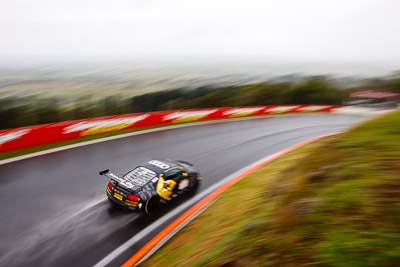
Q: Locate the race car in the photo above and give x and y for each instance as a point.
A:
(151, 184)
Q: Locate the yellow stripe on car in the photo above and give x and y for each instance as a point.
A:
(131, 203)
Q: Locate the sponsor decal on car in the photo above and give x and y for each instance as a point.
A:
(280, 109)
(103, 126)
(4, 138)
(185, 116)
(159, 164)
(127, 184)
(241, 112)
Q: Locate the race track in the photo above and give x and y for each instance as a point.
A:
(54, 211)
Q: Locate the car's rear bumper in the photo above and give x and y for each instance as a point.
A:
(121, 200)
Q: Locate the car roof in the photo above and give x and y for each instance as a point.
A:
(161, 166)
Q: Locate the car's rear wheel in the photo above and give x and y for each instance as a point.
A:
(152, 204)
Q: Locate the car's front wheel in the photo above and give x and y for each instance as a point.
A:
(152, 204)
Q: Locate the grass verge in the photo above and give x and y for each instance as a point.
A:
(335, 202)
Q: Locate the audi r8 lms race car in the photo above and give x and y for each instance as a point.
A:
(151, 184)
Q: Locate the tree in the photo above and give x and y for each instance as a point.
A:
(314, 91)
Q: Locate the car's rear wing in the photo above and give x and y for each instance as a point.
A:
(110, 175)
(104, 172)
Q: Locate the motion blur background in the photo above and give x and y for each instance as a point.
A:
(336, 202)
(63, 60)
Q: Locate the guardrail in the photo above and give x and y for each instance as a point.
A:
(24, 137)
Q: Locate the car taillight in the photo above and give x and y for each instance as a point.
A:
(134, 198)
(110, 186)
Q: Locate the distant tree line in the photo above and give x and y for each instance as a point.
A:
(15, 112)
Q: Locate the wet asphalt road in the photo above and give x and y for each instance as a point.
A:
(54, 211)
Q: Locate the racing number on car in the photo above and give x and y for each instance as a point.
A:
(159, 164)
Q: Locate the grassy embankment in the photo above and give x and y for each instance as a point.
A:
(335, 202)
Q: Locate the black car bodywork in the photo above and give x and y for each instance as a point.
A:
(147, 186)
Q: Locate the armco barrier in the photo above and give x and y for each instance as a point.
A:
(25, 137)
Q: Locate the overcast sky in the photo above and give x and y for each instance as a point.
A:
(279, 30)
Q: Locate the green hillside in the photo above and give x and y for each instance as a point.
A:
(335, 202)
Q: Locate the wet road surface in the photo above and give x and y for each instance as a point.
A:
(54, 211)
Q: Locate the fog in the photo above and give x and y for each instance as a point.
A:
(357, 32)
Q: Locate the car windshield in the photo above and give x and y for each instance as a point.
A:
(139, 176)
